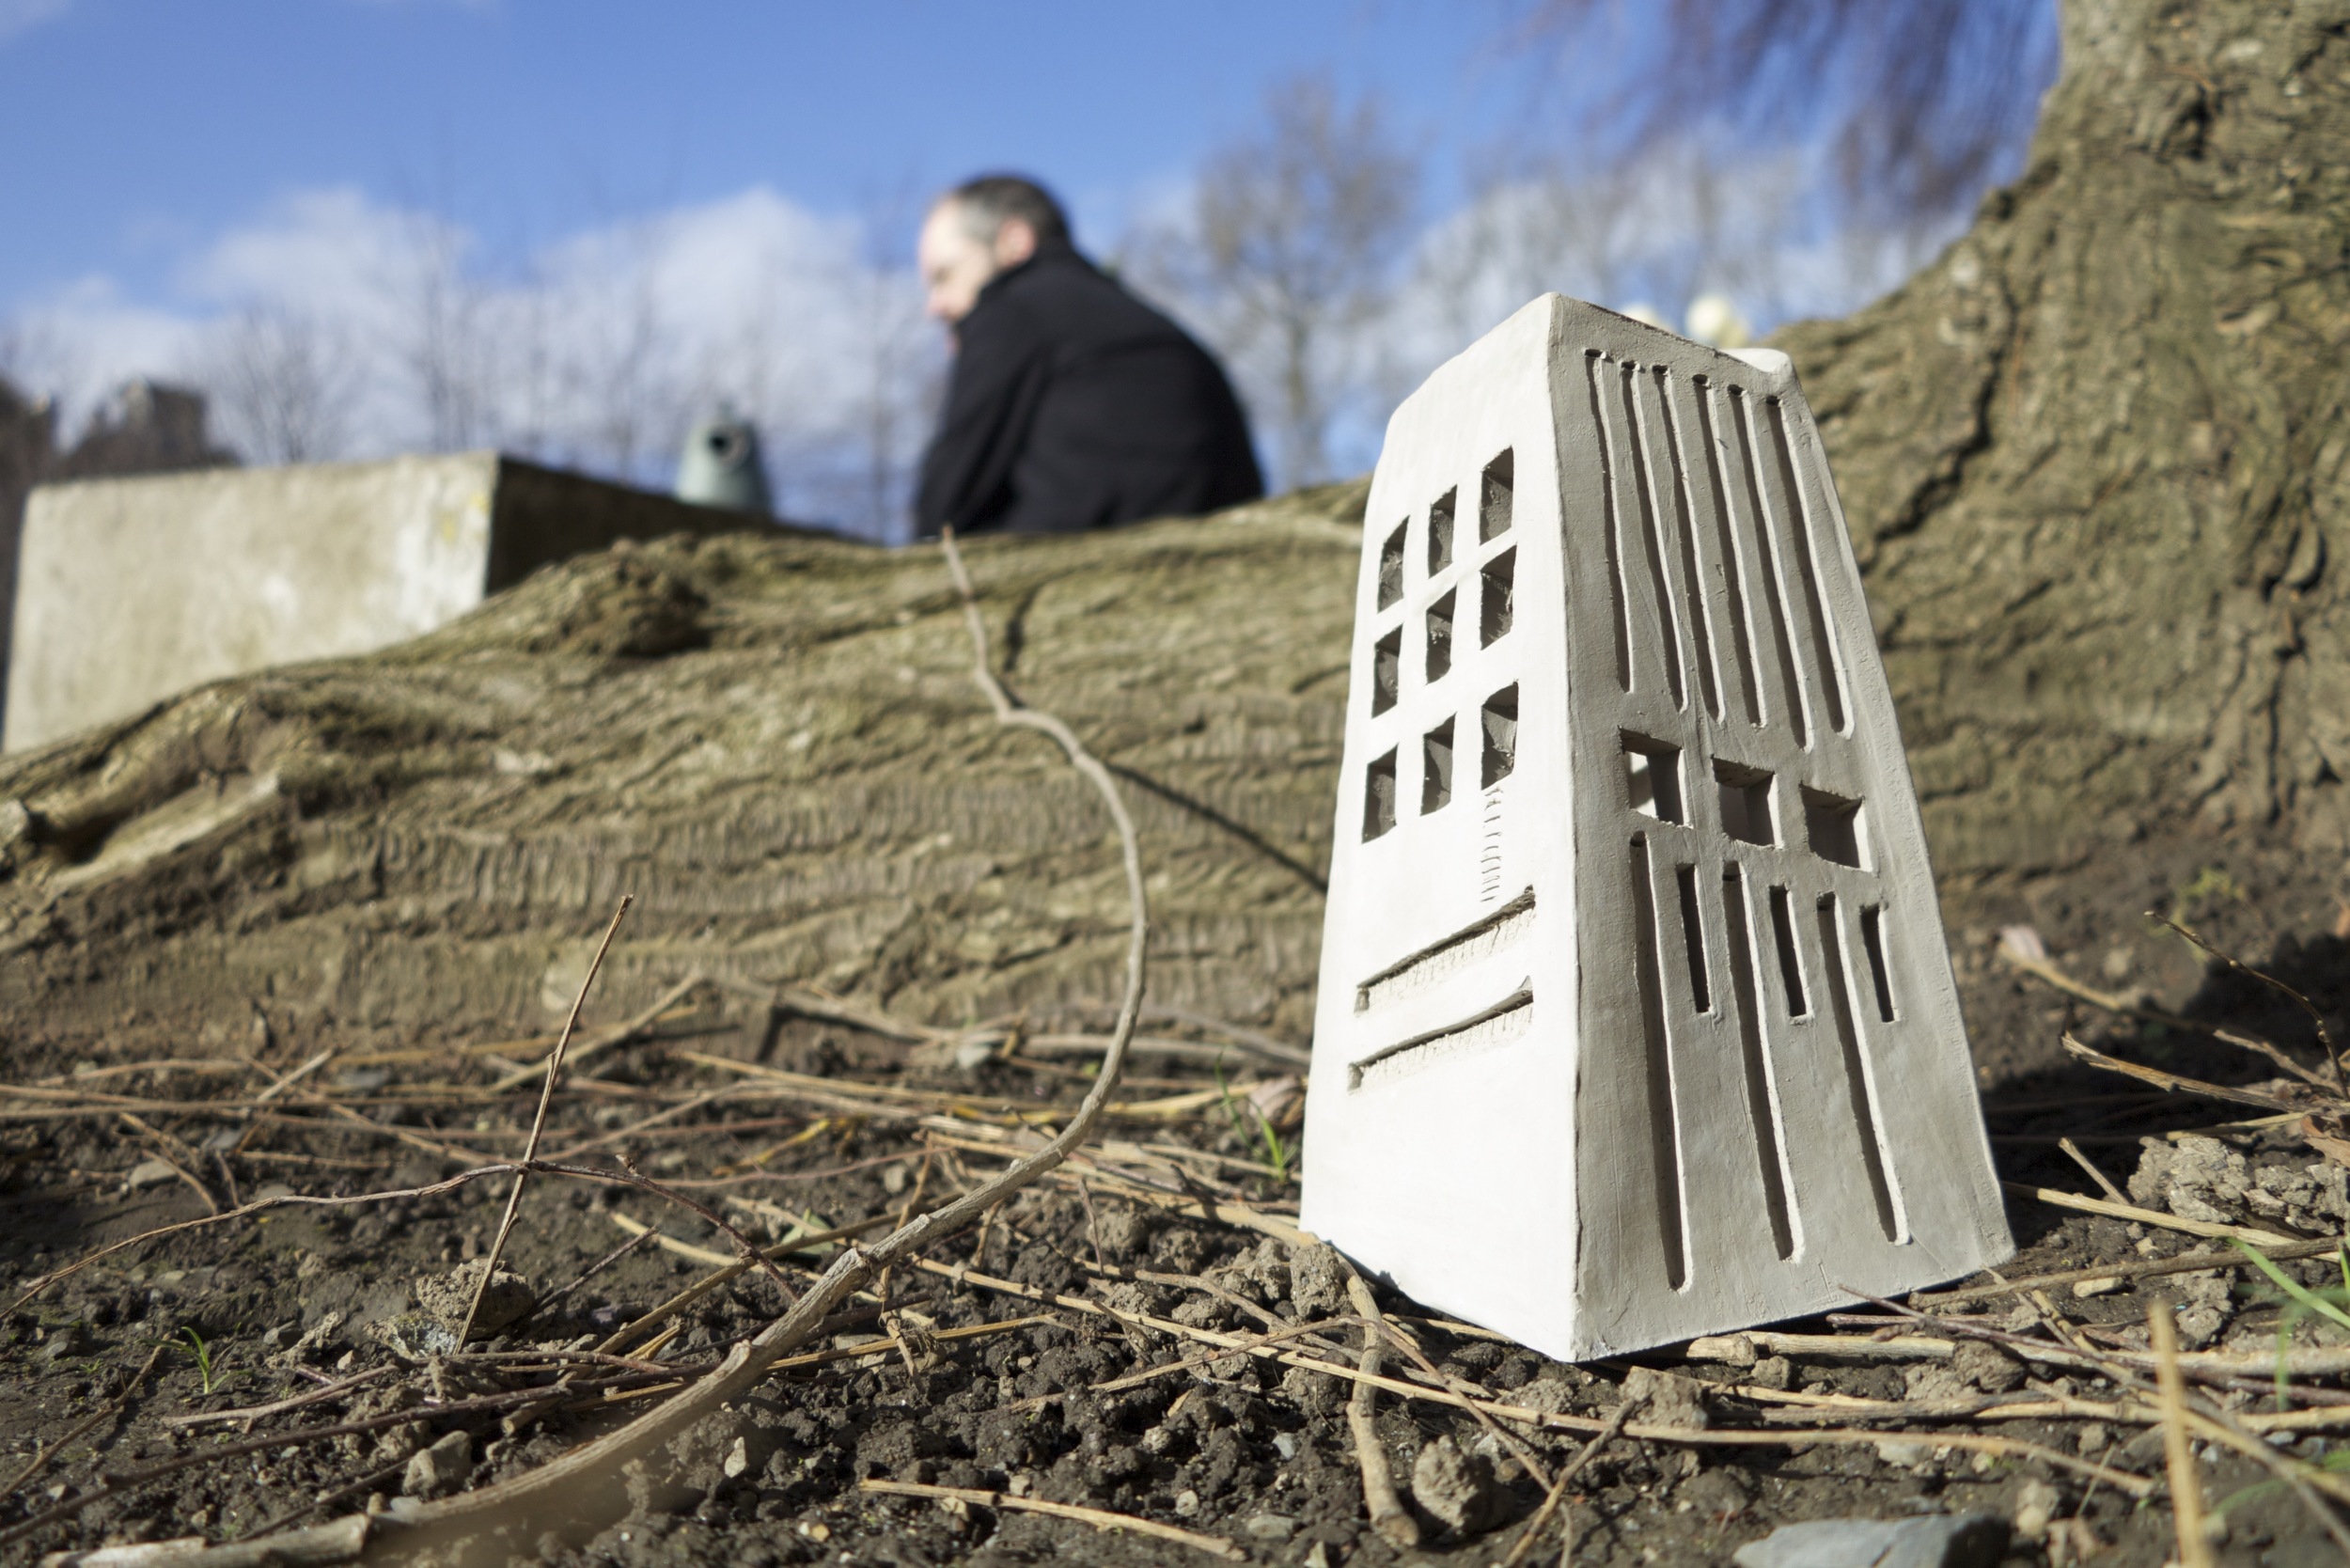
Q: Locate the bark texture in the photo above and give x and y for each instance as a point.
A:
(773, 742)
(2095, 458)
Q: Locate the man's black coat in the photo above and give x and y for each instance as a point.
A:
(1074, 405)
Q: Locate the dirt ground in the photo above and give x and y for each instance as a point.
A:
(994, 1381)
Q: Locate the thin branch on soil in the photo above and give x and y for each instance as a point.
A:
(2186, 1262)
(277, 1407)
(1600, 1439)
(617, 1035)
(577, 1492)
(1098, 1517)
(2058, 1197)
(1388, 1516)
(2103, 1182)
(2186, 1490)
(733, 1269)
(2317, 1019)
(539, 1307)
(42, 1455)
(539, 1122)
(2045, 970)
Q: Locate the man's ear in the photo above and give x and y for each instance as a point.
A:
(1015, 241)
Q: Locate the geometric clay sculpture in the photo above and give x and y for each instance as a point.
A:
(1636, 1020)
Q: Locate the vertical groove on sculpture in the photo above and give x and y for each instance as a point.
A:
(1734, 569)
(1799, 525)
(1766, 563)
(1763, 1113)
(1653, 549)
(1611, 529)
(1858, 1083)
(1685, 517)
(1693, 939)
(1662, 1116)
(1872, 938)
(1790, 960)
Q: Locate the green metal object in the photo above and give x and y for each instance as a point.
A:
(721, 467)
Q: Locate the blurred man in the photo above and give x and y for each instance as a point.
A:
(1072, 404)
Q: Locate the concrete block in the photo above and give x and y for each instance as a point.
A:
(131, 590)
(1636, 1020)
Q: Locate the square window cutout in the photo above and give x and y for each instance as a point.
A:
(1391, 567)
(1652, 772)
(1746, 802)
(1834, 829)
(1435, 776)
(1440, 532)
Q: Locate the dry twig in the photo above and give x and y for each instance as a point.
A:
(539, 1122)
(576, 1494)
(2186, 1490)
(1388, 1516)
(1099, 1518)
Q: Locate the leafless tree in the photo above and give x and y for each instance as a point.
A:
(1920, 101)
(282, 384)
(1297, 237)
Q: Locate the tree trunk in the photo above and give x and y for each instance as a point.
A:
(2093, 456)
(773, 741)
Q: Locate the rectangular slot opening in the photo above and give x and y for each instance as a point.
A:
(1872, 938)
(1857, 1085)
(1693, 581)
(1379, 797)
(1799, 517)
(1499, 1025)
(1761, 1093)
(1500, 723)
(1471, 945)
(1440, 532)
(1391, 567)
(1789, 962)
(1832, 827)
(1652, 535)
(1663, 1117)
(1734, 582)
(1496, 601)
(1767, 569)
(1611, 530)
(1651, 771)
(1435, 773)
(1693, 939)
(1386, 671)
(1746, 800)
(1440, 637)
(1496, 496)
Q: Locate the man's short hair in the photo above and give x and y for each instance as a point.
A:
(985, 203)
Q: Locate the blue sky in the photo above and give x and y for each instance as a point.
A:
(163, 122)
(571, 227)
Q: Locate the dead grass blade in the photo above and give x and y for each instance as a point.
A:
(1099, 1518)
(539, 1122)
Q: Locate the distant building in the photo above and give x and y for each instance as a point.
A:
(145, 428)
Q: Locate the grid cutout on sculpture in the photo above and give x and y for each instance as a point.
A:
(1792, 969)
(1715, 605)
(1457, 590)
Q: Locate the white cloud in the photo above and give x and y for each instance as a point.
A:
(22, 16)
(599, 350)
